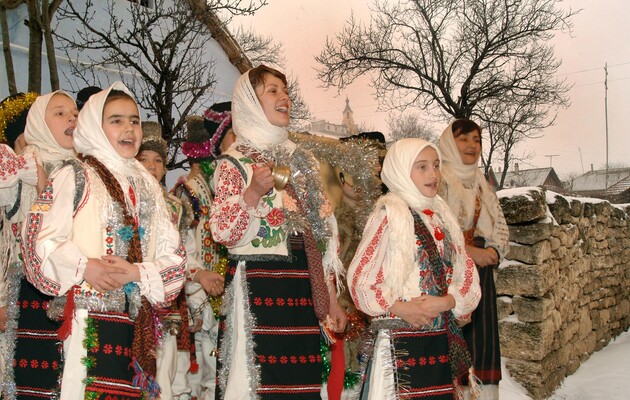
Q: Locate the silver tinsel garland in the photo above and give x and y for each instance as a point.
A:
(225, 355)
(357, 158)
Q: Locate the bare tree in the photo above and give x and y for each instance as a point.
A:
(456, 58)
(264, 50)
(160, 52)
(6, 42)
(408, 125)
(40, 15)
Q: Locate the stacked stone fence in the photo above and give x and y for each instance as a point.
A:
(564, 288)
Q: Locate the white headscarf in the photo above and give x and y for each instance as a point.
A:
(90, 139)
(38, 136)
(459, 175)
(249, 121)
(396, 174)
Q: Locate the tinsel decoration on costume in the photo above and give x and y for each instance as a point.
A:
(358, 158)
(307, 184)
(350, 379)
(11, 108)
(90, 342)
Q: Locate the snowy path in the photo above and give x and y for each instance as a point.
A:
(605, 375)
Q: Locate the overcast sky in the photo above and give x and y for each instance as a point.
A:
(601, 34)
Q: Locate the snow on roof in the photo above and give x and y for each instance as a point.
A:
(596, 180)
(527, 177)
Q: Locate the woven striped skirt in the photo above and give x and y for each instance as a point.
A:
(285, 332)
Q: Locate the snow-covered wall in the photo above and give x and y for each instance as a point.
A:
(564, 289)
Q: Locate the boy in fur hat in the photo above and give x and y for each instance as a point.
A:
(207, 138)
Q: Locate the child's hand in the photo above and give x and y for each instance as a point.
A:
(262, 182)
(103, 276)
(132, 272)
(211, 282)
(337, 315)
(412, 312)
(434, 305)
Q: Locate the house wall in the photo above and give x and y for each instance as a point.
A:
(564, 289)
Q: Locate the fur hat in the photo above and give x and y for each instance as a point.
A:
(152, 139)
(13, 113)
(205, 134)
(85, 93)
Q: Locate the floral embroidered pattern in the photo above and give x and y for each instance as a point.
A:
(10, 163)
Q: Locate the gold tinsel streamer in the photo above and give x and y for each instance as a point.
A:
(215, 302)
(11, 108)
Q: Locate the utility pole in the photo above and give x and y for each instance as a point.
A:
(606, 115)
(551, 156)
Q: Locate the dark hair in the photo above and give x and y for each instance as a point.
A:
(116, 94)
(257, 75)
(463, 126)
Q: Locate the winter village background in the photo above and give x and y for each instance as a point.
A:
(564, 289)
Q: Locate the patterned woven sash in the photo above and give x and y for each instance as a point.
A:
(144, 342)
(459, 357)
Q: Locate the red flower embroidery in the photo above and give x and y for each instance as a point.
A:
(268, 301)
(279, 302)
(303, 359)
(272, 359)
(262, 359)
(311, 358)
(443, 359)
(258, 301)
(275, 217)
(284, 360)
(107, 349)
(44, 364)
(55, 365)
(23, 363)
(35, 304)
(34, 364)
(293, 360)
(411, 362)
(119, 350)
(303, 301)
(422, 361)
(432, 360)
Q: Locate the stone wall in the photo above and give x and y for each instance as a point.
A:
(564, 289)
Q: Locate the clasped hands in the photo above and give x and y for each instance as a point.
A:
(422, 310)
(110, 272)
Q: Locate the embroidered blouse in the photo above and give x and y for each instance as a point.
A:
(245, 231)
(14, 168)
(366, 276)
(58, 239)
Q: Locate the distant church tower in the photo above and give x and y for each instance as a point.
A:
(348, 119)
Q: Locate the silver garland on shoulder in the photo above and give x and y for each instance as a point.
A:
(356, 157)
(306, 183)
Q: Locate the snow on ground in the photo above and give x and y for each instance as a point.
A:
(605, 375)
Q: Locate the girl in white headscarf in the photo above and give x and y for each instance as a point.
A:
(48, 132)
(100, 239)
(479, 214)
(412, 274)
(283, 251)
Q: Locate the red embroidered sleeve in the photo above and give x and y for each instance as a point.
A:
(370, 292)
(228, 214)
(10, 164)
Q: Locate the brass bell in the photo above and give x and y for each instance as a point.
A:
(280, 175)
